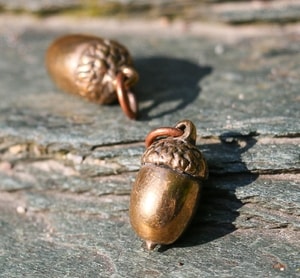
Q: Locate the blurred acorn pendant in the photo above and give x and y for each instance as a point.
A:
(165, 194)
(97, 69)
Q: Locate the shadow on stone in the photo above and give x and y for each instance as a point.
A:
(167, 85)
(219, 206)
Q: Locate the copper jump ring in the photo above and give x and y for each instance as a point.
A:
(162, 132)
(126, 98)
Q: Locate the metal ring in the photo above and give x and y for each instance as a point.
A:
(162, 132)
(126, 98)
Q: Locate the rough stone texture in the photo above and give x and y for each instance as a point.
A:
(39, 5)
(232, 11)
(67, 165)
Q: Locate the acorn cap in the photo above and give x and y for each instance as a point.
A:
(178, 153)
(98, 66)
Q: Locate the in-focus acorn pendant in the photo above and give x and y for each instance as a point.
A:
(165, 194)
(97, 69)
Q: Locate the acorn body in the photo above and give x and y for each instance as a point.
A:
(163, 202)
(165, 194)
(88, 65)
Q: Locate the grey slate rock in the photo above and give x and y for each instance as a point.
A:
(229, 11)
(67, 165)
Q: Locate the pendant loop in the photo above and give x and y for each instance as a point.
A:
(162, 132)
(189, 131)
(126, 98)
(184, 129)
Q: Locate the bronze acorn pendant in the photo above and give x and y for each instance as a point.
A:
(97, 69)
(165, 194)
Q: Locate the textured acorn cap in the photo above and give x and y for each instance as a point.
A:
(177, 154)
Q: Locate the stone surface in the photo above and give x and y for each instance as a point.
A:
(232, 11)
(39, 5)
(67, 165)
